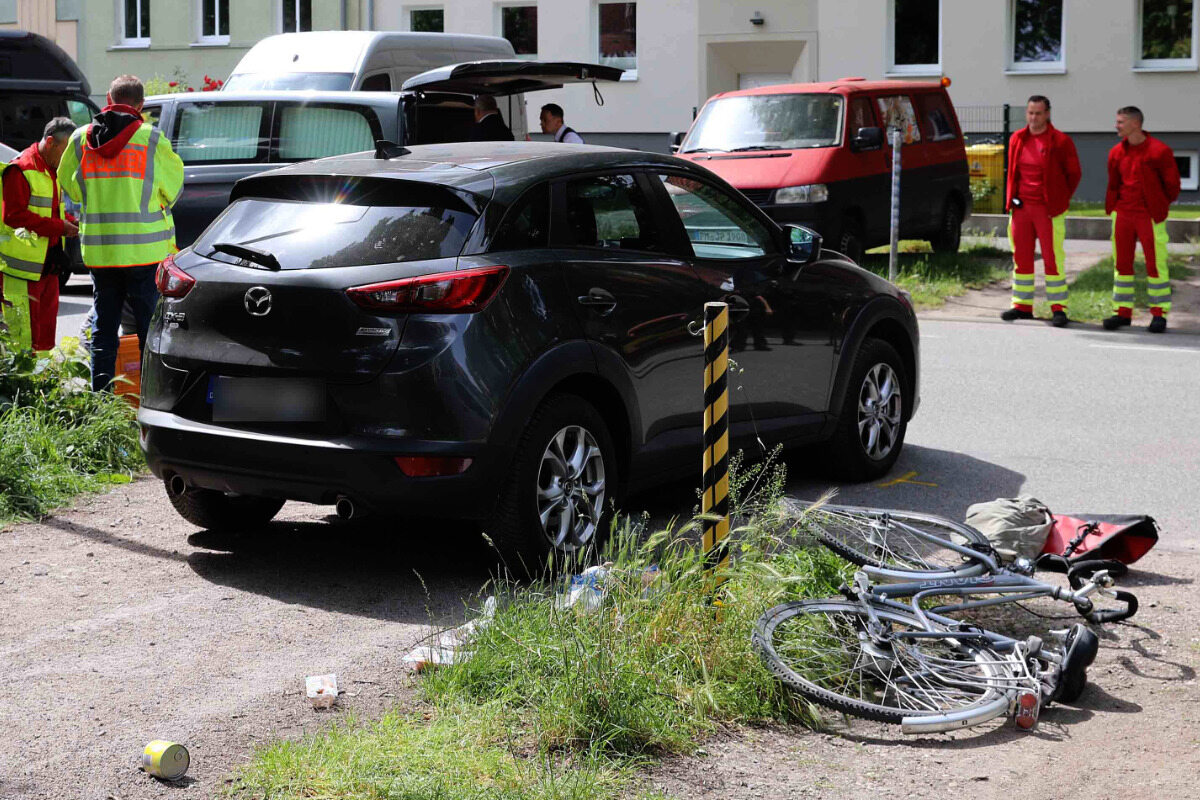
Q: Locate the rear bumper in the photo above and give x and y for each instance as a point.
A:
(316, 470)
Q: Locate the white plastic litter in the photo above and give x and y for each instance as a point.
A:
(449, 647)
(585, 589)
(322, 690)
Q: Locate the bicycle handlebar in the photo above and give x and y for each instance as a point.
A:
(1115, 614)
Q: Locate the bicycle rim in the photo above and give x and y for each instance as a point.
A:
(821, 649)
(887, 539)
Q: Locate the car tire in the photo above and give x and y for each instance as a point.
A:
(849, 239)
(534, 533)
(949, 233)
(873, 419)
(217, 511)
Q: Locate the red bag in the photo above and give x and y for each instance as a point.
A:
(1080, 537)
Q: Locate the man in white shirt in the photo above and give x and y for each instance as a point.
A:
(552, 122)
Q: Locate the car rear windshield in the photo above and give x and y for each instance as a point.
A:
(317, 235)
(767, 122)
(273, 81)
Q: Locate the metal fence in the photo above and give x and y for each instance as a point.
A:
(986, 130)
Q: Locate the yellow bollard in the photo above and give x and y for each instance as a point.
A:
(715, 485)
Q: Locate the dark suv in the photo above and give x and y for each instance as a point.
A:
(501, 332)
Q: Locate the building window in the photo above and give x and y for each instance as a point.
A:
(1036, 36)
(295, 16)
(617, 32)
(518, 24)
(431, 20)
(1166, 34)
(915, 37)
(135, 23)
(1189, 170)
(214, 22)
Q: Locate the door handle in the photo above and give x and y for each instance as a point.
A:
(600, 299)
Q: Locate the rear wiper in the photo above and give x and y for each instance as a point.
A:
(247, 253)
(756, 147)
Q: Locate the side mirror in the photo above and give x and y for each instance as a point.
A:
(677, 140)
(803, 245)
(867, 139)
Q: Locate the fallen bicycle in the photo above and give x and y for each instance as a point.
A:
(869, 655)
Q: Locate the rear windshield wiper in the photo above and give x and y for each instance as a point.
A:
(756, 147)
(247, 253)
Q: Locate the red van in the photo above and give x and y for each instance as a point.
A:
(815, 154)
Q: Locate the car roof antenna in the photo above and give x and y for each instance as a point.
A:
(386, 150)
(596, 92)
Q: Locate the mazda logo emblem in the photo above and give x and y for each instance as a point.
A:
(257, 301)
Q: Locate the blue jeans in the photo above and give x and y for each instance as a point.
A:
(113, 286)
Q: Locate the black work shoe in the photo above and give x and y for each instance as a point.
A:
(1116, 321)
(1158, 325)
(1059, 320)
(1015, 313)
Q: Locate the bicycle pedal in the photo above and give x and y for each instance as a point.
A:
(1028, 706)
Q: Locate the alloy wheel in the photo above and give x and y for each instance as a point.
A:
(880, 411)
(571, 489)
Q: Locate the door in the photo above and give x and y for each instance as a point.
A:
(633, 297)
(783, 339)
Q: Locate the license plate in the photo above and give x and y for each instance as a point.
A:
(266, 399)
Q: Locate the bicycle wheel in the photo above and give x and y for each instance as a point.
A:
(889, 539)
(823, 650)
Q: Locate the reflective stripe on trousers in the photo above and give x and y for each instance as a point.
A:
(1130, 228)
(1030, 226)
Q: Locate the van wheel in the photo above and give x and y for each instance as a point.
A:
(949, 235)
(872, 420)
(849, 240)
(552, 510)
(217, 511)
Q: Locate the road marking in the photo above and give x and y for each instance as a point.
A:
(1146, 347)
(905, 478)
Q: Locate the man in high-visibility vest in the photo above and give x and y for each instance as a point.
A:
(125, 176)
(1043, 173)
(1143, 181)
(30, 249)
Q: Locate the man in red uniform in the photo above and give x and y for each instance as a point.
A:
(32, 287)
(1143, 181)
(1043, 173)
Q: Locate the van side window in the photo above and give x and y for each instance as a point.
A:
(381, 82)
(527, 223)
(936, 114)
(316, 131)
(228, 132)
(610, 211)
(860, 115)
(897, 113)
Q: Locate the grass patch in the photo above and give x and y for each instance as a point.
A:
(1081, 208)
(1091, 290)
(932, 277)
(561, 703)
(57, 437)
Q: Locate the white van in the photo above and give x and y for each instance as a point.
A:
(371, 61)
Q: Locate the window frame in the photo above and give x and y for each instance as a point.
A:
(629, 74)
(136, 41)
(908, 70)
(560, 228)
(1014, 67)
(217, 39)
(1191, 184)
(266, 125)
(296, 4)
(406, 18)
(499, 18)
(928, 131)
(1165, 64)
(515, 209)
(674, 221)
(279, 106)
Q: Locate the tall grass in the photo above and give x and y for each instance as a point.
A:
(932, 277)
(559, 701)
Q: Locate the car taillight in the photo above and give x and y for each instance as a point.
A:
(463, 292)
(431, 466)
(171, 280)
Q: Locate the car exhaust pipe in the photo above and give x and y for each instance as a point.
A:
(176, 486)
(346, 510)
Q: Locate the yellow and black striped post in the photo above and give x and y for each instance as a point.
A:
(715, 486)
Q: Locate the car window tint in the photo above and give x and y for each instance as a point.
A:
(610, 211)
(527, 223)
(381, 82)
(897, 113)
(23, 116)
(438, 120)
(935, 110)
(861, 115)
(227, 132)
(81, 113)
(152, 114)
(718, 225)
(314, 131)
